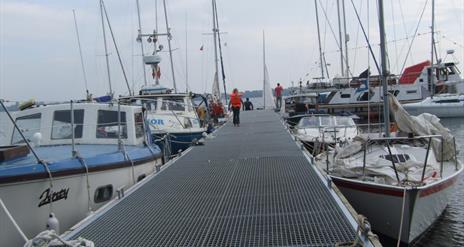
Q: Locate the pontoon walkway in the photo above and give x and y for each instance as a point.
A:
(249, 186)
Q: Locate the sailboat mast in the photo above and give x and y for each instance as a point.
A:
(216, 59)
(106, 47)
(264, 71)
(168, 31)
(431, 78)
(319, 40)
(383, 54)
(220, 54)
(186, 56)
(141, 43)
(340, 45)
(347, 73)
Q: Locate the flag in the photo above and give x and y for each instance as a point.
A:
(156, 72)
(201, 48)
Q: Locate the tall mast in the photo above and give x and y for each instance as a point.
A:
(220, 53)
(431, 77)
(168, 31)
(319, 40)
(106, 48)
(264, 71)
(383, 54)
(141, 43)
(216, 59)
(80, 53)
(186, 56)
(347, 73)
(340, 39)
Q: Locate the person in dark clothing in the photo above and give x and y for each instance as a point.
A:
(247, 105)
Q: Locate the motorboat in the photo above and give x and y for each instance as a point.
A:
(441, 105)
(172, 117)
(65, 160)
(409, 176)
(319, 132)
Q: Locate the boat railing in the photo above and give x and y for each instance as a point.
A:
(387, 141)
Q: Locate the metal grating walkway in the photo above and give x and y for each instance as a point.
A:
(250, 186)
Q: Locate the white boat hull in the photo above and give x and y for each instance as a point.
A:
(382, 205)
(22, 199)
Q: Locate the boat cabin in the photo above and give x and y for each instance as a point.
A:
(326, 121)
(92, 123)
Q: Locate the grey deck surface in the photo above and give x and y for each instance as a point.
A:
(250, 186)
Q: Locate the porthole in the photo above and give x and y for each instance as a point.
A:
(103, 193)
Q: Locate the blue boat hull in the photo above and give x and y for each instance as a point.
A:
(179, 141)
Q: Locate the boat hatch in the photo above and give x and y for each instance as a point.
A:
(397, 158)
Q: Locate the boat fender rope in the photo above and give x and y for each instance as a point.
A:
(126, 157)
(49, 238)
(82, 161)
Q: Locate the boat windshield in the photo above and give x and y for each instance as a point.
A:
(173, 104)
(325, 121)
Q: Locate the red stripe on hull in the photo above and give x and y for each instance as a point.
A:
(368, 188)
(438, 187)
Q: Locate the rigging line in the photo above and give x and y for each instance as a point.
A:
(366, 37)
(80, 54)
(452, 41)
(357, 38)
(414, 36)
(330, 25)
(117, 49)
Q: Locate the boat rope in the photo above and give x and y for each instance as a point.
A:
(126, 157)
(49, 238)
(414, 36)
(401, 219)
(82, 161)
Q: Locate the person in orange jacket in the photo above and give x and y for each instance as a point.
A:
(235, 103)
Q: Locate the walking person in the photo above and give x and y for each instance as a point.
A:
(278, 94)
(247, 105)
(235, 103)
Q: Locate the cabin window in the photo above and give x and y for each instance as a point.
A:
(151, 105)
(61, 126)
(397, 158)
(173, 105)
(411, 91)
(365, 96)
(103, 193)
(29, 125)
(141, 177)
(138, 119)
(448, 101)
(107, 124)
(187, 123)
(345, 95)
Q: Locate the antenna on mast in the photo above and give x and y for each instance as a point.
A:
(87, 94)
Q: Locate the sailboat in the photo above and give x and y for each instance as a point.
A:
(171, 115)
(400, 182)
(268, 97)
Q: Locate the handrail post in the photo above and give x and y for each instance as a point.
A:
(73, 147)
(393, 162)
(442, 156)
(119, 126)
(426, 158)
(455, 154)
(364, 158)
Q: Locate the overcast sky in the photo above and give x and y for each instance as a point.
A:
(39, 55)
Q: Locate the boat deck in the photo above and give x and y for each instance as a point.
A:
(249, 186)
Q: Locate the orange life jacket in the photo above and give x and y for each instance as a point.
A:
(235, 100)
